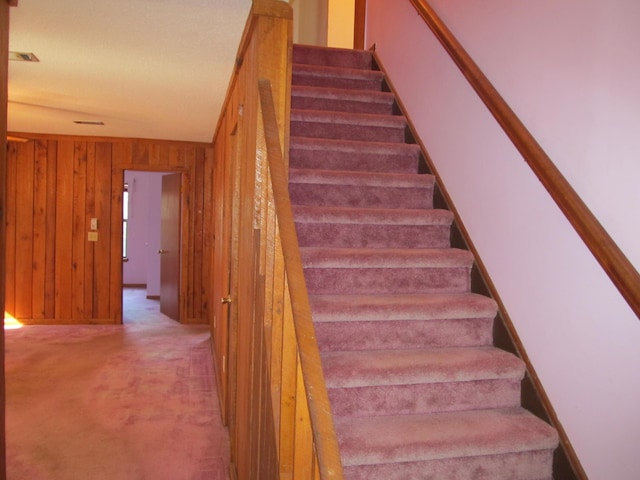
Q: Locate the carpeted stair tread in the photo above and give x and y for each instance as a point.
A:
(353, 146)
(331, 77)
(364, 322)
(379, 308)
(385, 271)
(533, 465)
(347, 118)
(339, 99)
(357, 179)
(424, 397)
(340, 154)
(350, 369)
(341, 188)
(406, 438)
(328, 72)
(345, 94)
(381, 216)
(347, 125)
(338, 57)
(360, 196)
(319, 257)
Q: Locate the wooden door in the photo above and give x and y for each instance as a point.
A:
(170, 246)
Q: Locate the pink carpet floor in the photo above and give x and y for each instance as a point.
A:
(133, 401)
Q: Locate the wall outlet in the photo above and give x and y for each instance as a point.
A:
(94, 224)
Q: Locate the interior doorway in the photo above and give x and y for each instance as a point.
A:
(151, 246)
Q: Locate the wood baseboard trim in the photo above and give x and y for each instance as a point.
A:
(67, 321)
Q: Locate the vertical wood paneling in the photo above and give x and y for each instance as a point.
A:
(79, 232)
(186, 260)
(188, 186)
(207, 236)
(64, 230)
(50, 248)
(89, 213)
(38, 282)
(102, 249)
(10, 229)
(269, 420)
(222, 197)
(56, 184)
(4, 49)
(303, 455)
(197, 253)
(24, 231)
(140, 154)
(115, 265)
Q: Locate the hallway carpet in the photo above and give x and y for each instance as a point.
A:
(118, 402)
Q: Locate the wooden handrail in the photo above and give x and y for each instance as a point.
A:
(324, 436)
(621, 272)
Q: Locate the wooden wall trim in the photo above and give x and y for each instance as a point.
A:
(4, 68)
(614, 262)
(80, 138)
(359, 27)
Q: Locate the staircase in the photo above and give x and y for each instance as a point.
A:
(416, 387)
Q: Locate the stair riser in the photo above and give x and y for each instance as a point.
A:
(533, 465)
(424, 398)
(342, 58)
(375, 281)
(341, 131)
(303, 78)
(372, 236)
(325, 195)
(390, 334)
(341, 105)
(352, 161)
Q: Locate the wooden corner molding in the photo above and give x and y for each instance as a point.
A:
(272, 8)
(13, 3)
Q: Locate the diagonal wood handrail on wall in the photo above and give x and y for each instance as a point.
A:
(621, 272)
(324, 436)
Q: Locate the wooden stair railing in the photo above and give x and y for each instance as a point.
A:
(324, 437)
(270, 382)
(621, 272)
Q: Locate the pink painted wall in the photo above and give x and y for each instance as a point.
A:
(569, 69)
(143, 267)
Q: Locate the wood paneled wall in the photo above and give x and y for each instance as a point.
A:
(4, 67)
(240, 328)
(55, 185)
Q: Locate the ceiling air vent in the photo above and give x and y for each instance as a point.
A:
(23, 57)
(88, 122)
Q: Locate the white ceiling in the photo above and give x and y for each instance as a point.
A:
(146, 68)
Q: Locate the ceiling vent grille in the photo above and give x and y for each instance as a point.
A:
(88, 122)
(23, 57)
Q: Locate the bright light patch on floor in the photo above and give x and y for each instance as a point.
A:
(11, 323)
